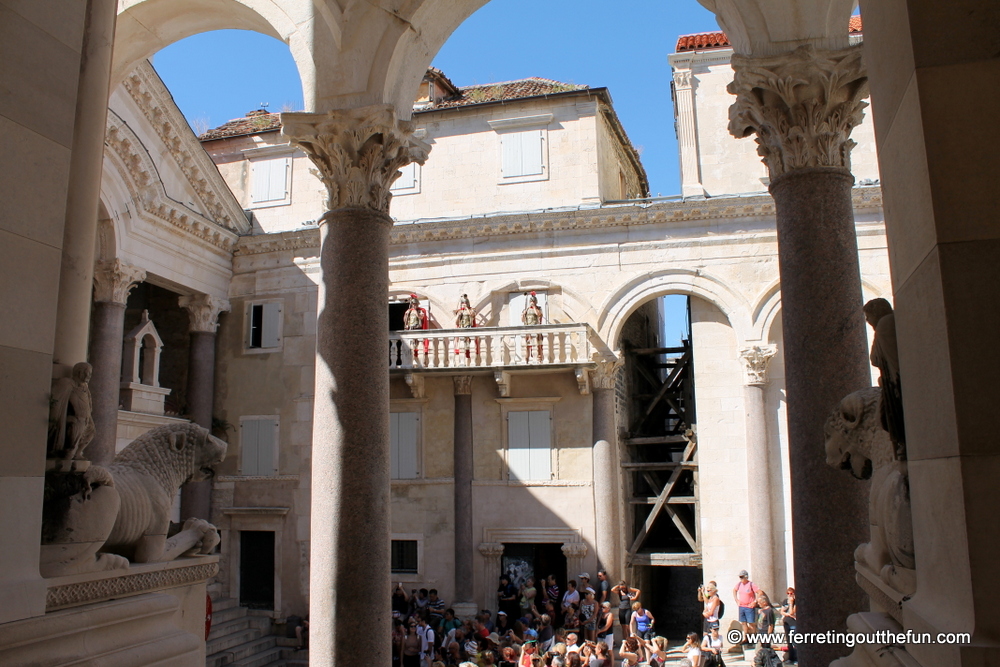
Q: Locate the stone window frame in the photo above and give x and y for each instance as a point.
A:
(247, 315)
(410, 577)
(281, 151)
(504, 126)
(508, 405)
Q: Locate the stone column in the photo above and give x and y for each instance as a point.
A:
(608, 538)
(492, 552)
(358, 153)
(463, 488)
(203, 317)
(687, 134)
(802, 107)
(575, 552)
(113, 280)
(759, 483)
(84, 192)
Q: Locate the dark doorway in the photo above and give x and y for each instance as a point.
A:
(396, 312)
(521, 561)
(257, 569)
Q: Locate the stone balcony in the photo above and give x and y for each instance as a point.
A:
(500, 350)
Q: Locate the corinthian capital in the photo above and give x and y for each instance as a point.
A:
(606, 373)
(801, 105)
(114, 279)
(755, 360)
(357, 152)
(203, 311)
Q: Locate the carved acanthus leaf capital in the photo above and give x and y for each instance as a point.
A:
(801, 105)
(682, 78)
(357, 152)
(606, 374)
(491, 549)
(755, 361)
(574, 549)
(463, 385)
(203, 311)
(114, 279)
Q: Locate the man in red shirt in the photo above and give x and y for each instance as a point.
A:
(745, 594)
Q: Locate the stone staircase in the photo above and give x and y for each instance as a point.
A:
(242, 638)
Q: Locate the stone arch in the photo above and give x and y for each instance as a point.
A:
(437, 313)
(136, 38)
(624, 301)
(576, 307)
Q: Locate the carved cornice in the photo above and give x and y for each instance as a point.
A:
(801, 105)
(755, 361)
(143, 182)
(121, 585)
(633, 215)
(156, 104)
(463, 385)
(491, 549)
(114, 279)
(203, 311)
(357, 152)
(605, 375)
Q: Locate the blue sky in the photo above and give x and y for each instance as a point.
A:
(217, 76)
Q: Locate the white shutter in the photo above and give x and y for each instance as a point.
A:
(248, 444)
(267, 443)
(394, 444)
(510, 145)
(407, 179)
(531, 152)
(518, 445)
(271, 336)
(270, 180)
(408, 468)
(540, 453)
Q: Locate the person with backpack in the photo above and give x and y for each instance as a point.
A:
(713, 607)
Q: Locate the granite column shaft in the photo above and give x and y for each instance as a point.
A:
(760, 497)
(196, 497)
(463, 489)
(606, 471)
(108, 329)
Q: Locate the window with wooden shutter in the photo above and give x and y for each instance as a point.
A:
(529, 445)
(264, 321)
(269, 180)
(403, 443)
(258, 446)
(522, 153)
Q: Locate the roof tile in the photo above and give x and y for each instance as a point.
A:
(705, 41)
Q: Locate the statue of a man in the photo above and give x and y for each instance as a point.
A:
(465, 316)
(885, 357)
(415, 317)
(532, 314)
(71, 426)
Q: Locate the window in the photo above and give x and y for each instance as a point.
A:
(517, 303)
(263, 325)
(258, 446)
(408, 182)
(269, 181)
(404, 556)
(403, 444)
(529, 451)
(522, 153)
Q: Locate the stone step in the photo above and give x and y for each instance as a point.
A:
(240, 624)
(229, 614)
(262, 659)
(248, 651)
(222, 604)
(232, 639)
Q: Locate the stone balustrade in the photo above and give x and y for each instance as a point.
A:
(484, 347)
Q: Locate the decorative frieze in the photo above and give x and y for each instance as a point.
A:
(203, 311)
(114, 279)
(119, 585)
(357, 152)
(755, 361)
(801, 106)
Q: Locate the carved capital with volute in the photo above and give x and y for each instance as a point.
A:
(491, 549)
(801, 106)
(606, 373)
(203, 311)
(357, 152)
(114, 279)
(755, 360)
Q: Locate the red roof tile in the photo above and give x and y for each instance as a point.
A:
(258, 120)
(705, 41)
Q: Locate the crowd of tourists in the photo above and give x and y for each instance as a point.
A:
(540, 625)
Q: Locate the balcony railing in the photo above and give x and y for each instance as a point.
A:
(485, 347)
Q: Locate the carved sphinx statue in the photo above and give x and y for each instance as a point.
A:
(856, 441)
(122, 513)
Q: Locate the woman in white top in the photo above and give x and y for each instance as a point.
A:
(692, 649)
(710, 596)
(711, 649)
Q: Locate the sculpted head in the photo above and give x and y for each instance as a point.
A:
(184, 453)
(845, 447)
(207, 452)
(875, 310)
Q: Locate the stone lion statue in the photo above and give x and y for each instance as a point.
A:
(101, 518)
(855, 441)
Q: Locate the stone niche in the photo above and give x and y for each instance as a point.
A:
(140, 387)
